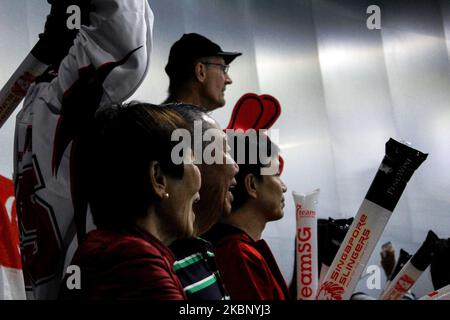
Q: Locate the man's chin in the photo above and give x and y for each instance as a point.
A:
(221, 103)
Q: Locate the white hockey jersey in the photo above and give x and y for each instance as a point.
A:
(112, 53)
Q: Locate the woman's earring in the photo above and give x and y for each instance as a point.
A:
(166, 195)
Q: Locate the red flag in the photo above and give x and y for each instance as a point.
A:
(9, 233)
(11, 278)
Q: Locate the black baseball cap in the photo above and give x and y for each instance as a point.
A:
(192, 46)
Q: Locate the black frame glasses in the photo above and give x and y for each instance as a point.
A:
(224, 67)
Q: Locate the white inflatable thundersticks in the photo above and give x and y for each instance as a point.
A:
(441, 294)
(17, 86)
(412, 270)
(331, 234)
(403, 258)
(306, 244)
(396, 169)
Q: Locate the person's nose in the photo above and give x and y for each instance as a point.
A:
(283, 187)
(234, 166)
(228, 79)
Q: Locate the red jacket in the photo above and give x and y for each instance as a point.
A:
(247, 267)
(129, 265)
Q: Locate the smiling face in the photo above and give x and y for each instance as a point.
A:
(217, 181)
(183, 194)
(215, 82)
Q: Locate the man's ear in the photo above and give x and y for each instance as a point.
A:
(200, 72)
(251, 186)
(158, 181)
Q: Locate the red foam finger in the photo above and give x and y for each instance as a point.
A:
(281, 160)
(247, 112)
(271, 112)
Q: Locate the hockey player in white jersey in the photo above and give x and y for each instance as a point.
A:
(105, 65)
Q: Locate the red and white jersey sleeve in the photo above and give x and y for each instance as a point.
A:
(119, 31)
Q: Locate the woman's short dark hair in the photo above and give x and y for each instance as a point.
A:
(116, 153)
(247, 151)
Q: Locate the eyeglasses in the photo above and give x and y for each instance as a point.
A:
(224, 67)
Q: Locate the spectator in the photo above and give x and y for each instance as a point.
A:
(198, 72)
(140, 201)
(196, 266)
(245, 261)
(108, 60)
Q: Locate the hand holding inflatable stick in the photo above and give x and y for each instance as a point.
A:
(52, 47)
(435, 253)
(17, 86)
(403, 258)
(387, 258)
(412, 270)
(396, 169)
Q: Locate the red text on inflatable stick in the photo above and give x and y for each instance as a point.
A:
(352, 252)
(22, 85)
(304, 253)
(402, 286)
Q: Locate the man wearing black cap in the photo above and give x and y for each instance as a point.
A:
(197, 69)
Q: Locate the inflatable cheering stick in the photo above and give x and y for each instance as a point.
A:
(441, 294)
(403, 258)
(396, 169)
(52, 47)
(440, 275)
(306, 244)
(440, 265)
(331, 233)
(412, 270)
(17, 86)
